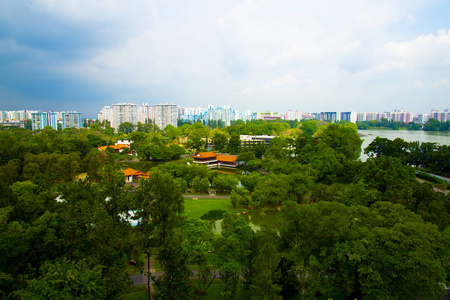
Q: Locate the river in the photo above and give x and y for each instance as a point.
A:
(442, 138)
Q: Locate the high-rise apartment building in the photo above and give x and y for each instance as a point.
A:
(421, 118)
(399, 115)
(293, 115)
(41, 119)
(197, 114)
(248, 116)
(361, 117)
(224, 113)
(71, 119)
(123, 112)
(165, 114)
(106, 114)
(330, 116)
(439, 115)
(349, 116)
(145, 113)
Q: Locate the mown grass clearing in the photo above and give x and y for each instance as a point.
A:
(197, 208)
(137, 292)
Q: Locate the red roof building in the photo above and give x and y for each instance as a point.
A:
(212, 159)
(131, 174)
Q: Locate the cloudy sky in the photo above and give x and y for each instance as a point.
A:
(323, 55)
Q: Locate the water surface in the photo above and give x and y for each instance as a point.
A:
(442, 138)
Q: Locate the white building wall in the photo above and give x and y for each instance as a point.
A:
(145, 113)
(123, 112)
(165, 114)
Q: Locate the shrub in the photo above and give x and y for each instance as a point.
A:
(215, 214)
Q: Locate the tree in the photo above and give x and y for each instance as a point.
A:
(383, 251)
(66, 280)
(225, 183)
(388, 176)
(234, 145)
(246, 155)
(358, 194)
(431, 125)
(232, 250)
(240, 196)
(200, 184)
(344, 139)
(273, 189)
(172, 132)
(265, 271)
(126, 127)
(278, 148)
(199, 238)
(324, 159)
(219, 139)
(310, 127)
(160, 205)
(251, 180)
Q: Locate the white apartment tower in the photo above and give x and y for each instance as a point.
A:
(293, 115)
(399, 115)
(71, 119)
(165, 114)
(349, 116)
(145, 113)
(123, 112)
(106, 114)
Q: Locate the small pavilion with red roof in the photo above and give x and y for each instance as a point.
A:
(212, 159)
(131, 174)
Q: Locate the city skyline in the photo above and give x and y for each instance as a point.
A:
(270, 55)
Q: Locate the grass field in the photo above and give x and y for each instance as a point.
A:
(197, 208)
(137, 292)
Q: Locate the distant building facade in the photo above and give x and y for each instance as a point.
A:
(106, 114)
(145, 113)
(123, 112)
(441, 116)
(331, 116)
(399, 115)
(165, 114)
(268, 115)
(41, 119)
(349, 116)
(292, 115)
(71, 119)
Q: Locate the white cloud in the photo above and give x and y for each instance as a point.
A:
(425, 49)
(279, 82)
(442, 83)
(352, 46)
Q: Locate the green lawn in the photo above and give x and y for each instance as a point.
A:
(197, 208)
(137, 292)
(141, 295)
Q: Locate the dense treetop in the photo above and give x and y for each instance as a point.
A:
(365, 230)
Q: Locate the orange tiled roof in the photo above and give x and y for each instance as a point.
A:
(120, 146)
(115, 147)
(205, 154)
(133, 172)
(129, 172)
(228, 158)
